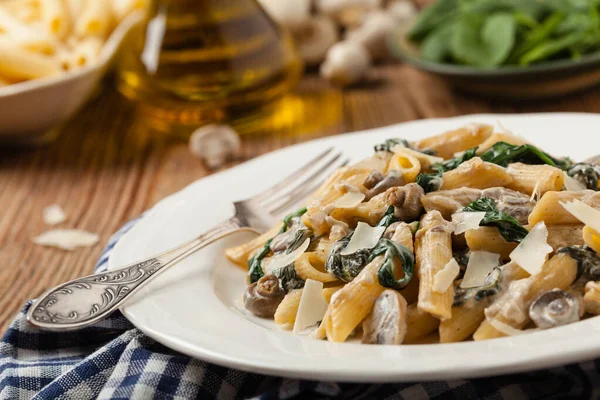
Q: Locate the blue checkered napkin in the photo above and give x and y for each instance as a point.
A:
(113, 360)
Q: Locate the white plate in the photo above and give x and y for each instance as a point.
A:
(193, 308)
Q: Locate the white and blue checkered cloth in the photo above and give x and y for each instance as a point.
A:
(114, 360)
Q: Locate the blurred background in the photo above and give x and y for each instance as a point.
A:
(108, 106)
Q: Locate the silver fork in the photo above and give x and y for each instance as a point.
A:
(84, 301)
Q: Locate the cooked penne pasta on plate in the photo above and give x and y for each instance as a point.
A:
(471, 234)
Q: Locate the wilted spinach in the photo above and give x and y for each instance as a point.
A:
(490, 288)
(503, 153)
(588, 261)
(389, 144)
(491, 33)
(587, 174)
(255, 270)
(453, 163)
(391, 250)
(509, 227)
(430, 182)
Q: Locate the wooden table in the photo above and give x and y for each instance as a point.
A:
(105, 169)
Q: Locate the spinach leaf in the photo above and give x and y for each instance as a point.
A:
(432, 17)
(503, 153)
(509, 227)
(588, 261)
(255, 270)
(436, 46)
(490, 288)
(389, 144)
(391, 250)
(347, 267)
(484, 41)
(430, 182)
(288, 278)
(453, 163)
(550, 48)
(587, 174)
(537, 35)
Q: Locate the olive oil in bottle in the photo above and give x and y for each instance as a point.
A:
(199, 61)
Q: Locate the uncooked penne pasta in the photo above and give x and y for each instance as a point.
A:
(433, 250)
(549, 209)
(16, 63)
(354, 302)
(488, 238)
(55, 17)
(537, 179)
(286, 311)
(500, 137)
(512, 308)
(312, 266)
(121, 8)
(96, 19)
(407, 164)
(448, 143)
(419, 324)
(25, 36)
(86, 51)
(448, 202)
(477, 174)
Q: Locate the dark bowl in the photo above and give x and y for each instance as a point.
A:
(550, 79)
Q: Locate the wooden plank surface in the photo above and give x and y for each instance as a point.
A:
(106, 168)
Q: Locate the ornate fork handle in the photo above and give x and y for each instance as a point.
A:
(84, 301)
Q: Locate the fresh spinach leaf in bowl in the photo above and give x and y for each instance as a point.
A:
(493, 33)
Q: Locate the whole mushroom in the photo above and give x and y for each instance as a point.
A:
(373, 179)
(392, 179)
(406, 201)
(346, 63)
(316, 38)
(372, 33)
(263, 297)
(348, 13)
(293, 15)
(387, 322)
(215, 144)
(555, 308)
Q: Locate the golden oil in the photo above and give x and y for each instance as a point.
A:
(199, 61)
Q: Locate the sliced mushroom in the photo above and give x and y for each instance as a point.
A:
(555, 308)
(387, 322)
(373, 179)
(263, 297)
(407, 202)
(392, 179)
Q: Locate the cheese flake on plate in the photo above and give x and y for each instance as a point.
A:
(445, 277)
(365, 237)
(586, 214)
(312, 307)
(349, 200)
(466, 221)
(531, 253)
(283, 260)
(572, 184)
(481, 263)
(54, 215)
(66, 239)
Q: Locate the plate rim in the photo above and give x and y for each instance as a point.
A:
(579, 355)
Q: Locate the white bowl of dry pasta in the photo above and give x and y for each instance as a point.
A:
(463, 250)
(53, 53)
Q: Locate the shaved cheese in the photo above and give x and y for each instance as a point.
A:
(54, 215)
(349, 200)
(531, 253)
(283, 260)
(586, 214)
(481, 263)
(573, 185)
(444, 278)
(466, 221)
(364, 237)
(312, 306)
(401, 149)
(535, 195)
(66, 239)
(507, 329)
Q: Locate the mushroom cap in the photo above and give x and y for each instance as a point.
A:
(387, 322)
(263, 297)
(555, 308)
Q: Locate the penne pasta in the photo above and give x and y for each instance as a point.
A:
(95, 19)
(549, 209)
(500, 137)
(477, 174)
(425, 160)
(86, 51)
(241, 254)
(512, 308)
(330, 291)
(286, 311)
(312, 266)
(433, 250)
(447, 202)
(448, 143)
(591, 238)
(17, 63)
(407, 164)
(488, 238)
(535, 179)
(419, 324)
(55, 17)
(591, 299)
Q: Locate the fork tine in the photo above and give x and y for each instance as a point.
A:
(300, 194)
(294, 186)
(292, 177)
